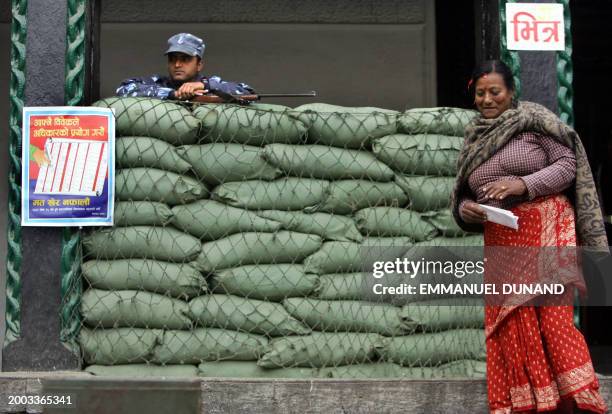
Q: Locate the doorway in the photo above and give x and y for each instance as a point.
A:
(592, 42)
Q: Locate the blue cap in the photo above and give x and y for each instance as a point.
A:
(186, 43)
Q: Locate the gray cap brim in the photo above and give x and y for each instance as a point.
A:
(186, 50)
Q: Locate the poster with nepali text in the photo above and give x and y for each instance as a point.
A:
(68, 166)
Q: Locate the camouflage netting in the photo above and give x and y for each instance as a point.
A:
(239, 239)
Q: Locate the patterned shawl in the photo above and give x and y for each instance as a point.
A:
(484, 137)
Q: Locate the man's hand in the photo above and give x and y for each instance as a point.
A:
(473, 213)
(504, 188)
(190, 89)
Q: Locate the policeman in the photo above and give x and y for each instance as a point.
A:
(185, 52)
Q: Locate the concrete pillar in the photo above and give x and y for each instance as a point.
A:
(39, 347)
(539, 75)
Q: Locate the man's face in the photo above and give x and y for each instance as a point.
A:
(182, 67)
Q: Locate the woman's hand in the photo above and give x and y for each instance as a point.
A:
(472, 213)
(504, 188)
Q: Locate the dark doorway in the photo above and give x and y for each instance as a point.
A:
(592, 41)
(455, 51)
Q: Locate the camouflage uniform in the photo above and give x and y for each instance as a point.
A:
(161, 86)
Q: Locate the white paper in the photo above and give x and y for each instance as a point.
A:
(76, 167)
(501, 216)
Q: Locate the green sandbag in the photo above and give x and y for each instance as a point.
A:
(362, 371)
(218, 163)
(351, 316)
(328, 226)
(211, 220)
(118, 346)
(273, 282)
(344, 257)
(321, 349)
(133, 308)
(387, 242)
(149, 152)
(345, 127)
(151, 117)
(281, 194)
(347, 196)
(442, 314)
(249, 369)
(336, 286)
(207, 344)
(393, 221)
(476, 240)
(464, 368)
(141, 213)
(257, 248)
(444, 221)
(426, 193)
(321, 161)
(419, 154)
(245, 125)
(443, 121)
(435, 348)
(335, 257)
(247, 315)
(149, 184)
(142, 242)
(269, 107)
(173, 279)
(143, 370)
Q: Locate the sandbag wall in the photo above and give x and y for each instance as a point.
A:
(239, 236)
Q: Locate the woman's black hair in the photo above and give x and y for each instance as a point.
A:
(491, 66)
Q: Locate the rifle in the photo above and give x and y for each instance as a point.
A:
(217, 96)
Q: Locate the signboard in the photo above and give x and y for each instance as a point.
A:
(68, 166)
(535, 26)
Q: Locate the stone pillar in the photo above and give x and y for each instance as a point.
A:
(38, 347)
(539, 75)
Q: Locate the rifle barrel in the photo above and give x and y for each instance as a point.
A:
(286, 95)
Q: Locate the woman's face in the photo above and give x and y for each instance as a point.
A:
(492, 97)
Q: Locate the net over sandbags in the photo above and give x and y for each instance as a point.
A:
(241, 240)
(248, 125)
(345, 127)
(168, 121)
(442, 121)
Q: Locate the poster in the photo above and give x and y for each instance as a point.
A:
(68, 166)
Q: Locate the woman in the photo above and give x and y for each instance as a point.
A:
(520, 156)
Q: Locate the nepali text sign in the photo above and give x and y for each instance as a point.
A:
(535, 26)
(68, 166)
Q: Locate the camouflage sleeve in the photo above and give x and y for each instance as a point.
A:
(149, 86)
(233, 88)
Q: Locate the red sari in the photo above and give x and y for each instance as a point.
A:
(535, 355)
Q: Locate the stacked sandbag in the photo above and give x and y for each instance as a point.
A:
(139, 273)
(190, 183)
(242, 237)
(423, 153)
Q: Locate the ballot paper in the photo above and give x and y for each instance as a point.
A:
(501, 216)
(76, 167)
